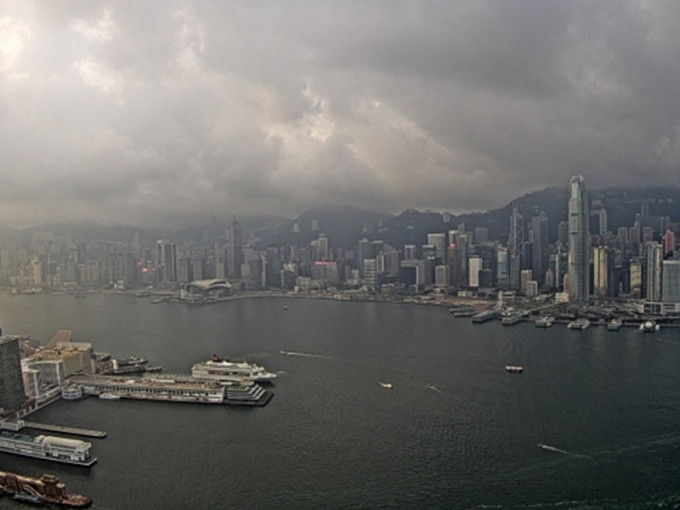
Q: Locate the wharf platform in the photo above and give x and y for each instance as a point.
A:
(75, 431)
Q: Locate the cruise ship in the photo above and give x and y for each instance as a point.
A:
(219, 369)
(57, 449)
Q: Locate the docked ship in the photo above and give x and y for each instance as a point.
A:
(649, 326)
(614, 325)
(484, 316)
(512, 318)
(56, 449)
(46, 489)
(219, 369)
(175, 389)
(132, 365)
(582, 323)
(544, 322)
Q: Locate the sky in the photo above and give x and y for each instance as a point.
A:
(163, 113)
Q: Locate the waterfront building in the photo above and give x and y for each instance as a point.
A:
(635, 271)
(579, 242)
(525, 276)
(166, 263)
(455, 273)
(441, 276)
(371, 275)
(12, 393)
(670, 281)
(653, 259)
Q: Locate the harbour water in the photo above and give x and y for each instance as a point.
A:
(454, 431)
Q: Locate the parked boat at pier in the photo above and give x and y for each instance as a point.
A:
(582, 323)
(57, 449)
(544, 322)
(649, 326)
(614, 325)
(46, 489)
(484, 316)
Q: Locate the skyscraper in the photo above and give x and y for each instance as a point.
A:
(515, 248)
(235, 250)
(579, 241)
(11, 380)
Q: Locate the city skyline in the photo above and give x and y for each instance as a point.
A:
(171, 112)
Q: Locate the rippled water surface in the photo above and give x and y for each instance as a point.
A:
(455, 430)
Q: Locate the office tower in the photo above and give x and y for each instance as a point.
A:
(502, 268)
(515, 248)
(235, 249)
(539, 259)
(166, 262)
(603, 272)
(668, 243)
(670, 288)
(455, 274)
(475, 266)
(481, 235)
(441, 277)
(11, 380)
(653, 258)
(579, 242)
(438, 240)
(635, 270)
(410, 252)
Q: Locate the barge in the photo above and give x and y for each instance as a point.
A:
(46, 489)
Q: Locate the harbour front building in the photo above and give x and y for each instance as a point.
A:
(579, 242)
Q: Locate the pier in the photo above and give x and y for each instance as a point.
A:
(75, 431)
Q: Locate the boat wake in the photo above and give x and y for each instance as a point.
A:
(433, 388)
(306, 355)
(560, 450)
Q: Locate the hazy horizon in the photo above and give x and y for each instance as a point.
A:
(163, 113)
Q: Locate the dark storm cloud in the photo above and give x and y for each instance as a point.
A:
(164, 112)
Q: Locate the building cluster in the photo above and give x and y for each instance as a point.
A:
(576, 258)
(30, 375)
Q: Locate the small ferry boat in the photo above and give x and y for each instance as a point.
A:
(614, 325)
(582, 323)
(386, 385)
(514, 369)
(484, 316)
(512, 318)
(109, 396)
(544, 322)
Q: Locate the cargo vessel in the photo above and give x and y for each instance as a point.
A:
(53, 448)
(46, 489)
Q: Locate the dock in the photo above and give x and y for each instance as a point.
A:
(75, 431)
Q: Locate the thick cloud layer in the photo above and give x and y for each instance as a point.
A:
(164, 112)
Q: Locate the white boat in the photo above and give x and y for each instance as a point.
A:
(544, 322)
(581, 323)
(57, 449)
(514, 369)
(386, 385)
(649, 326)
(109, 396)
(219, 369)
(614, 325)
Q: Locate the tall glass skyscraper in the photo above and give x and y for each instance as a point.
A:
(579, 242)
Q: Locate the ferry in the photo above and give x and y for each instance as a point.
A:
(484, 316)
(386, 385)
(582, 323)
(512, 318)
(57, 449)
(544, 322)
(614, 325)
(46, 489)
(219, 369)
(72, 392)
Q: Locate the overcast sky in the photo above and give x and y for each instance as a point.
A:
(165, 112)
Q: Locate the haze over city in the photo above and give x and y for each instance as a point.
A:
(167, 112)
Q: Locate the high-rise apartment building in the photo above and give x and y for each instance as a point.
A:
(579, 242)
(11, 381)
(670, 288)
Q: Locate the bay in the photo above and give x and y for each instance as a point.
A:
(455, 431)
